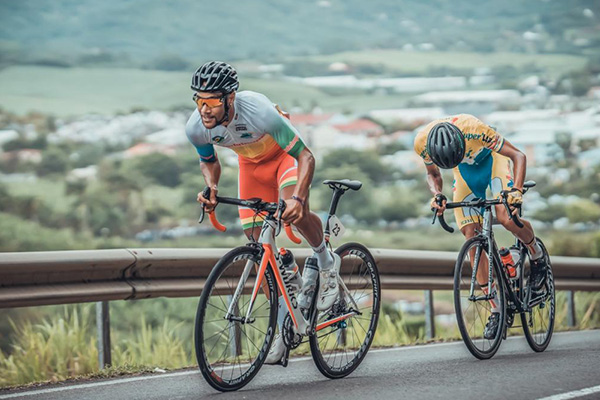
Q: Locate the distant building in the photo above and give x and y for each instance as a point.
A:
(408, 116)
(360, 134)
(510, 121)
(418, 84)
(474, 102)
(307, 124)
(33, 156)
(7, 136)
(594, 92)
(360, 127)
(143, 149)
(88, 173)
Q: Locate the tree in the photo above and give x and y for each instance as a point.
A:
(583, 211)
(369, 162)
(160, 168)
(54, 160)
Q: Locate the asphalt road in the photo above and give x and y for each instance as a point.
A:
(569, 368)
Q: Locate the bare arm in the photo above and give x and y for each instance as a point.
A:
(306, 170)
(434, 179)
(211, 173)
(519, 162)
(436, 183)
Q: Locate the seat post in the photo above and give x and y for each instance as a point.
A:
(337, 194)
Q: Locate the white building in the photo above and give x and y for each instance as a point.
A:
(409, 116)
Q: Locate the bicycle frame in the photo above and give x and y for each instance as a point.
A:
(518, 302)
(270, 256)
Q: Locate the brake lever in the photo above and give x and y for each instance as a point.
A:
(206, 195)
(201, 215)
(434, 216)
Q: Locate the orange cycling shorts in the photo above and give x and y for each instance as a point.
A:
(264, 180)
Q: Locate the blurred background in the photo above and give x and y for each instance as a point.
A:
(94, 97)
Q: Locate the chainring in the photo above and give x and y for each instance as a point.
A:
(290, 338)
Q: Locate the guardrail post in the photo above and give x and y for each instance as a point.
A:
(103, 329)
(571, 322)
(429, 315)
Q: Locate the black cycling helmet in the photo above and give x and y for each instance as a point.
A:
(215, 76)
(446, 145)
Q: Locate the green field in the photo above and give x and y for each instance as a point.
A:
(75, 91)
(419, 62)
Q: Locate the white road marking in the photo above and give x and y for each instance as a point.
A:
(574, 394)
(182, 373)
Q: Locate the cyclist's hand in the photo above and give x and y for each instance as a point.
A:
(439, 203)
(211, 202)
(294, 211)
(514, 197)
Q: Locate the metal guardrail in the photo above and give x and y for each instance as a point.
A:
(62, 277)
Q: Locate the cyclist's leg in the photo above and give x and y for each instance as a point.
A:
(311, 228)
(502, 179)
(469, 219)
(249, 186)
(310, 225)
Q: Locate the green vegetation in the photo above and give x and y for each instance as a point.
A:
(57, 343)
(74, 91)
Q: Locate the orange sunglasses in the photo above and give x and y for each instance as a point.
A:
(210, 102)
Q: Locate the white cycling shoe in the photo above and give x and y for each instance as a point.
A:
(329, 288)
(276, 352)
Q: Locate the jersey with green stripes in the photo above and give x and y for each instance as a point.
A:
(255, 129)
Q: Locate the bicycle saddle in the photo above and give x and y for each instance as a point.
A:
(347, 183)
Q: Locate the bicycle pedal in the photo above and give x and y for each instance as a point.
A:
(284, 360)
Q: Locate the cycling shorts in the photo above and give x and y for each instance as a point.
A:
(471, 181)
(264, 180)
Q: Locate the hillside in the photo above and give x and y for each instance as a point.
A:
(166, 35)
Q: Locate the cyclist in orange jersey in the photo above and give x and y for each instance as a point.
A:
(274, 162)
(479, 158)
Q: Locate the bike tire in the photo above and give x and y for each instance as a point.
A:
(355, 258)
(539, 341)
(470, 320)
(220, 373)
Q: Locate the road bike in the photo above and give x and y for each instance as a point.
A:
(513, 295)
(237, 314)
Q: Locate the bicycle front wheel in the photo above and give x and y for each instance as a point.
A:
(230, 350)
(473, 311)
(339, 347)
(538, 323)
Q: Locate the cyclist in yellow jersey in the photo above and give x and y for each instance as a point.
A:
(274, 163)
(479, 158)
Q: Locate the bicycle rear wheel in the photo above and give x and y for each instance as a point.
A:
(538, 323)
(231, 351)
(472, 314)
(339, 348)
